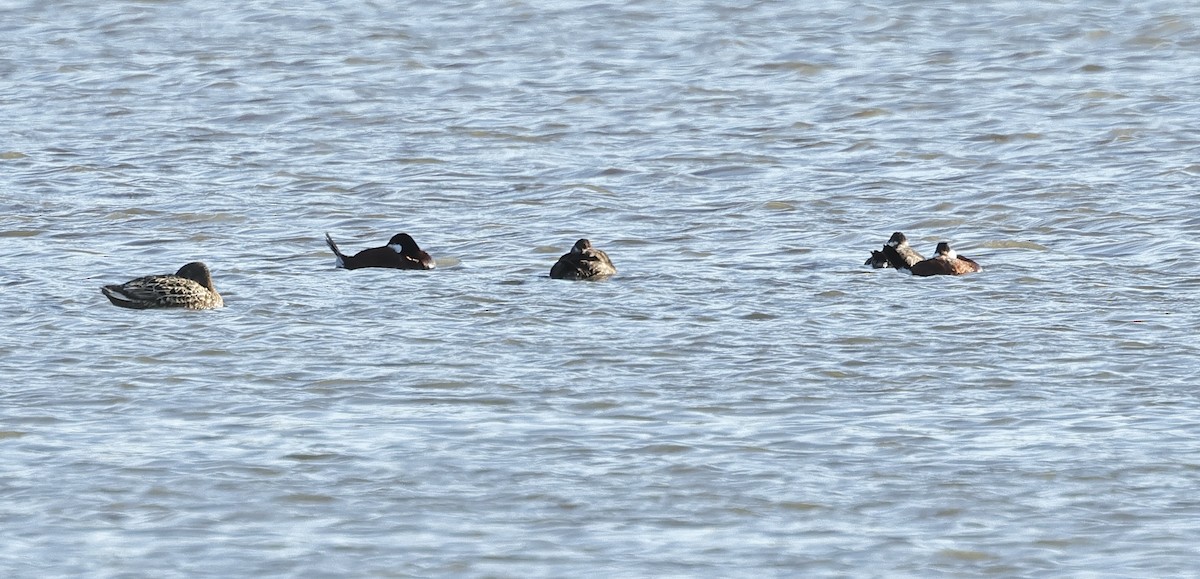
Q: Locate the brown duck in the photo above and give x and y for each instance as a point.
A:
(945, 262)
(896, 253)
(191, 287)
(583, 262)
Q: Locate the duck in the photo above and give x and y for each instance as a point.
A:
(896, 253)
(401, 252)
(945, 262)
(583, 262)
(191, 287)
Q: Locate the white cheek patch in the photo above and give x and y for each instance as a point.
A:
(396, 248)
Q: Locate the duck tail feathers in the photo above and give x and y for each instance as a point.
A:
(118, 297)
(340, 262)
(894, 258)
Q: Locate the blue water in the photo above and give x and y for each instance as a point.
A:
(743, 398)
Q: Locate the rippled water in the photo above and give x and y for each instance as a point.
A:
(743, 398)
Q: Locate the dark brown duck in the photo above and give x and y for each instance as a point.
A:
(583, 262)
(896, 253)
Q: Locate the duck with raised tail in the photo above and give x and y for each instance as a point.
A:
(401, 252)
(895, 250)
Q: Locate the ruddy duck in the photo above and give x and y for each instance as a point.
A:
(583, 262)
(946, 262)
(191, 287)
(896, 253)
(401, 252)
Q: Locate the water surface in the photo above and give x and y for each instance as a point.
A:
(742, 399)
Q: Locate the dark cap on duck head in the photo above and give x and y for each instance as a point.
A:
(406, 243)
(197, 272)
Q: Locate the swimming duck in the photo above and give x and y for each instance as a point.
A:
(583, 262)
(896, 253)
(191, 287)
(946, 262)
(401, 252)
